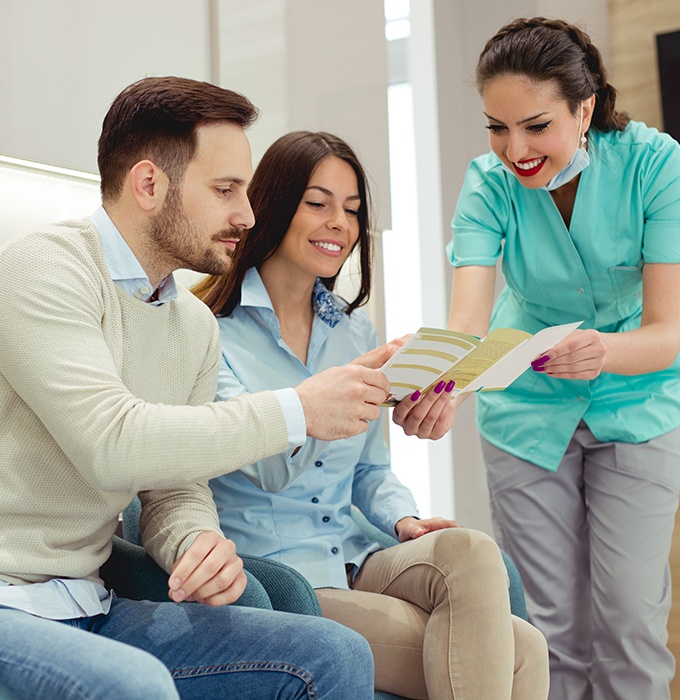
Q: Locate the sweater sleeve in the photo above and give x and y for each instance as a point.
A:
(56, 358)
(172, 518)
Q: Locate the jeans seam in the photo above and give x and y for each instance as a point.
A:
(304, 676)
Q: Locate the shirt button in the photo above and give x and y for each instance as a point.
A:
(318, 463)
(315, 500)
(580, 290)
(326, 519)
(334, 550)
(144, 289)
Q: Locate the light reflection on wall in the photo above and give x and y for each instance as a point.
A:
(403, 301)
(35, 194)
(32, 195)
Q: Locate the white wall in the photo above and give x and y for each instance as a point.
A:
(30, 197)
(312, 64)
(63, 62)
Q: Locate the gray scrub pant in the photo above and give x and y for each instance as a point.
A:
(591, 542)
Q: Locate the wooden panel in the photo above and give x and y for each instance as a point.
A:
(633, 66)
(633, 71)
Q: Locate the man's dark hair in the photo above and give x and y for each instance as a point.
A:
(155, 119)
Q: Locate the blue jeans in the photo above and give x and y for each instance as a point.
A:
(144, 650)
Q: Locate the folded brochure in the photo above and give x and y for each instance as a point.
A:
(490, 364)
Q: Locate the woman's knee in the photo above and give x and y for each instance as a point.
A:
(457, 550)
(531, 658)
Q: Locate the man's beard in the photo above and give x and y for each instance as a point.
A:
(176, 240)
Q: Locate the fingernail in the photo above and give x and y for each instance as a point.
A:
(537, 368)
(178, 595)
(439, 387)
(415, 395)
(174, 582)
(449, 386)
(540, 361)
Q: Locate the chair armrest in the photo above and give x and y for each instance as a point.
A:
(133, 574)
(288, 590)
(518, 605)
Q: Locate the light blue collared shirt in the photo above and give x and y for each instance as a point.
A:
(125, 270)
(296, 508)
(65, 599)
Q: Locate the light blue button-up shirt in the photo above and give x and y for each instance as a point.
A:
(626, 213)
(295, 508)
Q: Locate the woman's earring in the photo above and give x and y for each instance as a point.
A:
(584, 142)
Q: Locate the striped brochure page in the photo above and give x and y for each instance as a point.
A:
(489, 364)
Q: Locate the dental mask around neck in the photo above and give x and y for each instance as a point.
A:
(578, 163)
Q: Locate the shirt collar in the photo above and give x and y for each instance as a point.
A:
(325, 305)
(124, 268)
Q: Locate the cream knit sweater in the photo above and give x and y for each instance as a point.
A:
(103, 396)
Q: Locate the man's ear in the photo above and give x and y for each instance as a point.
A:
(149, 185)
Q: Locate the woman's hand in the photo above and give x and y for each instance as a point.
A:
(409, 528)
(429, 417)
(580, 355)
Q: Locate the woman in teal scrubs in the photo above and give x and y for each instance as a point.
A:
(583, 452)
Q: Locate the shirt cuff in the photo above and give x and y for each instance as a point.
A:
(294, 415)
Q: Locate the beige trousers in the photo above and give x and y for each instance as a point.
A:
(436, 613)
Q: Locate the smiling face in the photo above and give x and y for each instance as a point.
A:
(325, 226)
(531, 128)
(203, 218)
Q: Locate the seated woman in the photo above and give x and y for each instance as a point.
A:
(434, 608)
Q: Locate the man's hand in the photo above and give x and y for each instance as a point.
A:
(209, 572)
(339, 401)
(410, 528)
(375, 359)
(430, 417)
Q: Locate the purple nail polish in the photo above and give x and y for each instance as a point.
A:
(415, 396)
(538, 368)
(440, 386)
(540, 361)
(449, 386)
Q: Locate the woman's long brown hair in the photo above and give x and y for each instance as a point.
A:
(275, 191)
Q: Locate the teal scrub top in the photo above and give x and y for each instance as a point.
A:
(626, 213)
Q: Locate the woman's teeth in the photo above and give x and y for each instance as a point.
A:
(529, 164)
(328, 246)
